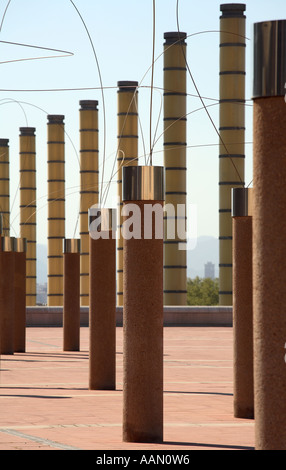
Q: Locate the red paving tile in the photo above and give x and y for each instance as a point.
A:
(45, 402)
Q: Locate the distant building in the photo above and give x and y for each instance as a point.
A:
(42, 294)
(210, 270)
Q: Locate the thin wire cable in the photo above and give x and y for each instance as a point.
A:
(4, 14)
(102, 92)
(52, 90)
(158, 120)
(152, 77)
(141, 127)
(66, 133)
(197, 90)
(63, 53)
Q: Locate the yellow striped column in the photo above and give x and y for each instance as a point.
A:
(127, 154)
(56, 208)
(88, 115)
(5, 186)
(28, 208)
(232, 133)
(175, 260)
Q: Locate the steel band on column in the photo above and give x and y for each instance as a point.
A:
(5, 185)
(175, 136)
(89, 172)
(232, 132)
(56, 208)
(127, 154)
(28, 208)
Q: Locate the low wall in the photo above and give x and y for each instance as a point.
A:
(173, 316)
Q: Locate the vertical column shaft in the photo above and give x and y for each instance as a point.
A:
(127, 154)
(143, 307)
(243, 388)
(7, 295)
(20, 295)
(102, 310)
(232, 133)
(71, 304)
(28, 208)
(88, 184)
(175, 136)
(56, 208)
(269, 233)
(5, 185)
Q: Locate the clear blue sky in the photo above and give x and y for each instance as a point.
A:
(121, 33)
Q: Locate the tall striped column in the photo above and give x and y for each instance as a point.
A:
(5, 186)
(232, 133)
(56, 208)
(127, 154)
(88, 115)
(175, 259)
(28, 208)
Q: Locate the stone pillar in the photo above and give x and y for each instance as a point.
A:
(143, 190)
(242, 303)
(56, 208)
(88, 115)
(71, 305)
(20, 295)
(127, 154)
(5, 186)
(7, 295)
(175, 144)
(232, 132)
(28, 208)
(102, 308)
(269, 234)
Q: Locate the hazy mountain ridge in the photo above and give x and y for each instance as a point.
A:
(205, 249)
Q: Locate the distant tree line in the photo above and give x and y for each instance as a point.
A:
(202, 291)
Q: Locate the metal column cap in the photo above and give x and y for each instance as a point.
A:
(55, 118)
(21, 245)
(143, 183)
(242, 202)
(269, 59)
(88, 104)
(173, 37)
(27, 131)
(71, 245)
(125, 85)
(8, 244)
(231, 10)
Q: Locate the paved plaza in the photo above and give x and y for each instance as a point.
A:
(45, 402)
